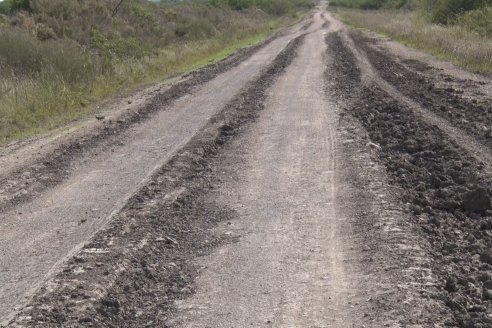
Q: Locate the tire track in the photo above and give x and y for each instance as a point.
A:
(440, 94)
(40, 235)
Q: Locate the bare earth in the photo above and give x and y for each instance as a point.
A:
(323, 179)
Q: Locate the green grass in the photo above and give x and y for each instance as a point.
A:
(458, 44)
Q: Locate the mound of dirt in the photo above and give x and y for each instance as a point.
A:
(433, 90)
(445, 188)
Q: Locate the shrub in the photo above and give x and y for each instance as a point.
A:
(22, 54)
(479, 20)
(57, 54)
(446, 11)
(369, 4)
(273, 7)
(11, 6)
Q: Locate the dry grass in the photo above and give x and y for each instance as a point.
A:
(65, 56)
(29, 105)
(462, 46)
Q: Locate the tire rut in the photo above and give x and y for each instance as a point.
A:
(439, 93)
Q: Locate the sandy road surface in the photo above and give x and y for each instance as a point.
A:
(319, 192)
(42, 233)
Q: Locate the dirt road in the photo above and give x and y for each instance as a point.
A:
(41, 234)
(302, 186)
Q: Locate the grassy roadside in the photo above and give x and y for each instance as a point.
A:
(39, 105)
(462, 46)
(58, 59)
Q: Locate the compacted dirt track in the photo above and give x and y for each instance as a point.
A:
(315, 182)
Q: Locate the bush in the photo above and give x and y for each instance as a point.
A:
(56, 55)
(11, 6)
(479, 20)
(369, 4)
(22, 54)
(447, 11)
(273, 7)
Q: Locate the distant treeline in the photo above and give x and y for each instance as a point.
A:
(276, 7)
(369, 4)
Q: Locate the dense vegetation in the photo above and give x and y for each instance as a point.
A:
(276, 7)
(369, 4)
(58, 56)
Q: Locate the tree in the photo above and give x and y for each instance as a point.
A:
(11, 6)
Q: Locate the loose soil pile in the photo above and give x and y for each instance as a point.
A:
(442, 94)
(445, 189)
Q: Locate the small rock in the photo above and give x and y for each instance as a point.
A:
(486, 224)
(486, 257)
(487, 284)
(85, 320)
(433, 220)
(417, 210)
(451, 284)
(487, 294)
(111, 303)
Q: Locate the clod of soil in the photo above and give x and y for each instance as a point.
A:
(476, 200)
